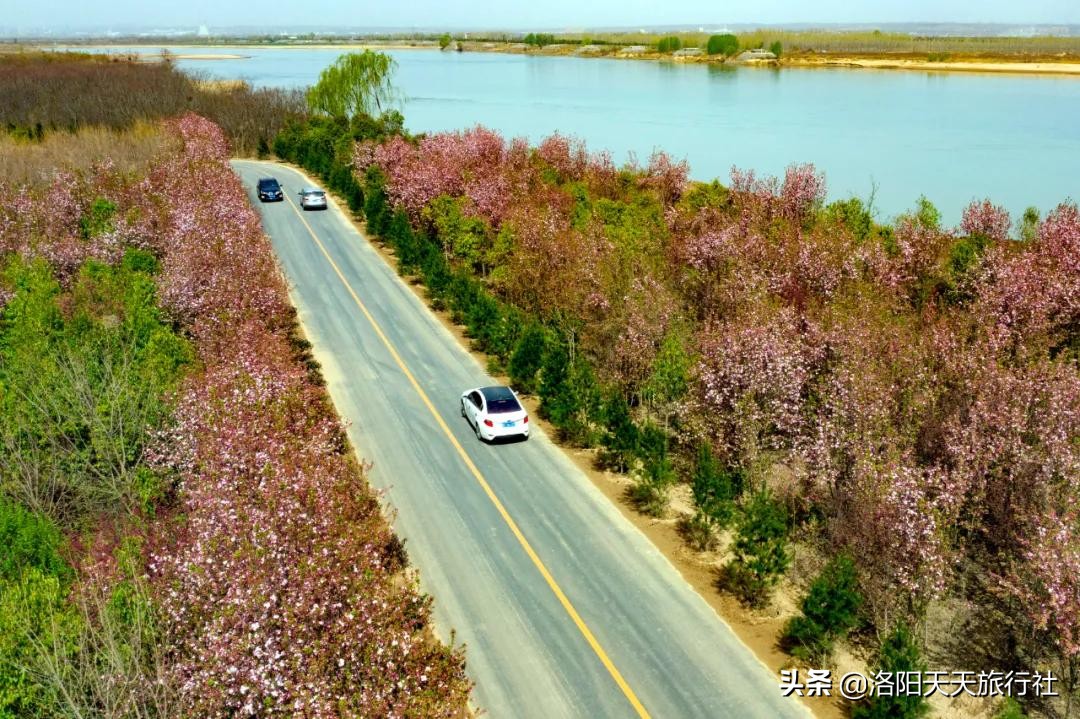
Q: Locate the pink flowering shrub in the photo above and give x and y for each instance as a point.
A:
(1030, 299)
(895, 523)
(279, 583)
(279, 590)
(914, 251)
(750, 378)
(986, 220)
(567, 156)
(476, 164)
(1013, 443)
(803, 189)
(1047, 579)
(668, 178)
(210, 275)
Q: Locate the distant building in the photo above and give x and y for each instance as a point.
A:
(755, 56)
(204, 31)
(688, 52)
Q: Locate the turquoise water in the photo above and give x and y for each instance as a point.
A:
(894, 135)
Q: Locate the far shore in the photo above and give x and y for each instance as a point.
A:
(980, 65)
(1068, 66)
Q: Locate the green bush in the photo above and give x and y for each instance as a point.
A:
(136, 260)
(650, 490)
(669, 380)
(29, 540)
(437, 275)
(539, 39)
(35, 620)
(622, 439)
(376, 206)
(726, 44)
(80, 390)
(715, 488)
(1010, 709)
(829, 611)
(761, 551)
(583, 430)
(461, 293)
(851, 213)
(34, 612)
(655, 458)
(899, 654)
(98, 219)
(399, 234)
(569, 395)
(527, 358)
(776, 48)
(670, 43)
(483, 321)
(965, 254)
(1029, 224)
(698, 531)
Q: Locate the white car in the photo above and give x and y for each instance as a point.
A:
(494, 412)
(312, 198)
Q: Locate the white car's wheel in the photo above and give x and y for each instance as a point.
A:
(478, 435)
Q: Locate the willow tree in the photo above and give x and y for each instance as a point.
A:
(357, 82)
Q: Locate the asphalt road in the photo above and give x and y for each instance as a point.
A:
(565, 608)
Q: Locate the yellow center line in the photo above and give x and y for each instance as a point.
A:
(578, 621)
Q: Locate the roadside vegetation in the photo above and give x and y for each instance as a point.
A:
(898, 401)
(185, 529)
(900, 395)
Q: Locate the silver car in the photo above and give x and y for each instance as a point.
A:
(312, 198)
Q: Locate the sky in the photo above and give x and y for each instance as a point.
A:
(522, 14)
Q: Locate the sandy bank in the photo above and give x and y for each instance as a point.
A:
(155, 57)
(210, 56)
(1022, 68)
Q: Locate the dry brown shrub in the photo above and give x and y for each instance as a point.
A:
(23, 161)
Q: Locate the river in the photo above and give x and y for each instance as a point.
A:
(887, 134)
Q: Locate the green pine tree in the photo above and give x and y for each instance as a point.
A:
(554, 377)
(761, 551)
(829, 611)
(899, 654)
(715, 488)
(622, 440)
(527, 358)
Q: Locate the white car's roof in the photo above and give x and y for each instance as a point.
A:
(311, 191)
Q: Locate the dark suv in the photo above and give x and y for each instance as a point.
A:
(270, 190)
